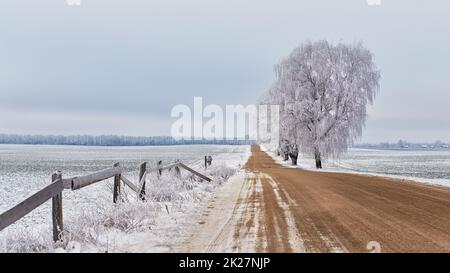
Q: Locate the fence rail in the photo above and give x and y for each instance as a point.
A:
(55, 189)
(26, 206)
(195, 172)
(77, 183)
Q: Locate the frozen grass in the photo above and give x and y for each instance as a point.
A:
(105, 226)
(23, 241)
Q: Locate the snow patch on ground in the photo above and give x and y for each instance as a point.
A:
(214, 231)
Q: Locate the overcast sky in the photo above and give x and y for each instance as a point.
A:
(110, 66)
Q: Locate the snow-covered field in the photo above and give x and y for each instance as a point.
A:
(426, 166)
(92, 221)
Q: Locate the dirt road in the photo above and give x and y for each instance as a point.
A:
(278, 209)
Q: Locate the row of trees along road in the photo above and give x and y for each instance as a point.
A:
(323, 90)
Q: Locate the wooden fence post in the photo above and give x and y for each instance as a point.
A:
(142, 170)
(177, 170)
(208, 161)
(159, 167)
(57, 212)
(116, 192)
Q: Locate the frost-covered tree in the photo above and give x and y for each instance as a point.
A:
(323, 90)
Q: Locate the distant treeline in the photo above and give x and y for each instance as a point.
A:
(402, 144)
(111, 140)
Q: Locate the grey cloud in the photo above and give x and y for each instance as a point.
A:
(140, 58)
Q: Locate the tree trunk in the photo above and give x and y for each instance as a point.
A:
(318, 158)
(293, 154)
(294, 160)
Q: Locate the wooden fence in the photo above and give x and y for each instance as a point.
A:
(59, 184)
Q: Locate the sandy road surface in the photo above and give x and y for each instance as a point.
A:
(271, 208)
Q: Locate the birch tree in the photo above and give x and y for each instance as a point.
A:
(323, 91)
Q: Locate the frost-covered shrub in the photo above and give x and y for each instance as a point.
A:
(169, 187)
(189, 187)
(129, 217)
(125, 217)
(221, 173)
(23, 241)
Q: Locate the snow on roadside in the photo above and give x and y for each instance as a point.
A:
(134, 226)
(309, 164)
